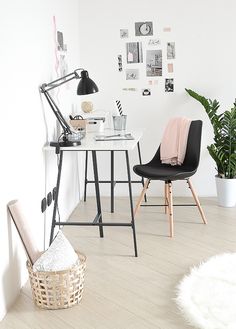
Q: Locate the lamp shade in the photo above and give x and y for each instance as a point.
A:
(86, 85)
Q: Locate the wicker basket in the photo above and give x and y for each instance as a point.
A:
(56, 290)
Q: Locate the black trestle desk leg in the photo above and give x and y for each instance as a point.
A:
(131, 204)
(98, 200)
(56, 197)
(86, 175)
(140, 162)
(112, 181)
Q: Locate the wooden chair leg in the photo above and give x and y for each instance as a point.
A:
(197, 201)
(170, 209)
(140, 199)
(166, 197)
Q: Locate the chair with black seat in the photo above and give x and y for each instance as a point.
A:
(156, 170)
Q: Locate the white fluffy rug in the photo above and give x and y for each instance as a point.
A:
(207, 296)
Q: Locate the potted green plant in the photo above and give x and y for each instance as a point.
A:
(223, 149)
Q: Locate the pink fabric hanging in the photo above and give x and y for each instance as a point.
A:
(174, 141)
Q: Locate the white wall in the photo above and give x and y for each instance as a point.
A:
(27, 60)
(204, 33)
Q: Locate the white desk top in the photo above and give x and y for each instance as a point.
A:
(88, 143)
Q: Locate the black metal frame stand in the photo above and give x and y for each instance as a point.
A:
(98, 218)
(112, 181)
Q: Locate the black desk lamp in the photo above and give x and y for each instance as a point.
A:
(86, 86)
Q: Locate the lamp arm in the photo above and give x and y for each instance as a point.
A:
(60, 81)
(46, 87)
(57, 112)
(87, 87)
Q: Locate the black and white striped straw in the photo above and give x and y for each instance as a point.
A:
(118, 103)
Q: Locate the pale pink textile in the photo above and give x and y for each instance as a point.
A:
(24, 229)
(174, 141)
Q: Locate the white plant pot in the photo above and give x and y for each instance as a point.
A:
(226, 191)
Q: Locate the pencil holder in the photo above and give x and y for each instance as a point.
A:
(119, 122)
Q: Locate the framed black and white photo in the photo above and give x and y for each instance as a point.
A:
(124, 33)
(132, 74)
(154, 63)
(60, 42)
(170, 50)
(62, 54)
(169, 85)
(143, 28)
(120, 66)
(134, 52)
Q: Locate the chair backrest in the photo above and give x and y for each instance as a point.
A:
(192, 155)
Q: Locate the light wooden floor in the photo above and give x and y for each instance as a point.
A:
(124, 292)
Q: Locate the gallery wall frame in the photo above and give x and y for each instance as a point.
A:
(143, 28)
(147, 56)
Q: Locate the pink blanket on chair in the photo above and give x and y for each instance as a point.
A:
(174, 141)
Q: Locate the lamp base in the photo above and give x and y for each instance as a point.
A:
(65, 143)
